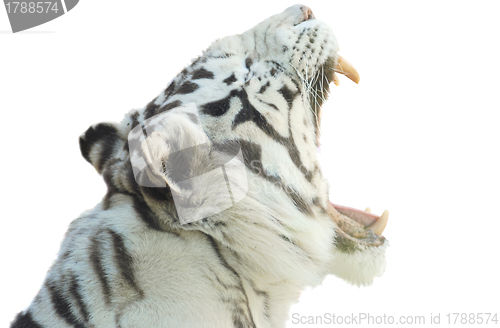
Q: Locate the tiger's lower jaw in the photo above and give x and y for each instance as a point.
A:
(357, 229)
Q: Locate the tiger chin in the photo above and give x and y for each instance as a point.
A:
(216, 214)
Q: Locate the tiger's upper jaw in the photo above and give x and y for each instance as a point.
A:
(293, 43)
(293, 39)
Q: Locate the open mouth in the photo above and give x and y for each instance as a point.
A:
(356, 228)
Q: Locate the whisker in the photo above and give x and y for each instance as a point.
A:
(314, 87)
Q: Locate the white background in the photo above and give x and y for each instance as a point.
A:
(419, 135)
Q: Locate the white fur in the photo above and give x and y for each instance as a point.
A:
(244, 265)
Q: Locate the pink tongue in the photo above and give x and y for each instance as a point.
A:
(362, 217)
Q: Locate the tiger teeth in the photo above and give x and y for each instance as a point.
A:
(368, 210)
(346, 68)
(336, 79)
(379, 225)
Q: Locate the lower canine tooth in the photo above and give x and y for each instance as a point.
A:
(336, 79)
(379, 225)
(369, 210)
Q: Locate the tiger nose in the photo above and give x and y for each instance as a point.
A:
(308, 13)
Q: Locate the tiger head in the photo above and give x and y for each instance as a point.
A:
(258, 93)
(294, 48)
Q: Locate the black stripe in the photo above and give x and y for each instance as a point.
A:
(124, 260)
(298, 201)
(264, 87)
(151, 109)
(248, 62)
(119, 178)
(104, 133)
(158, 109)
(317, 202)
(187, 87)
(202, 74)
(193, 118)
(74, 289)
(197, 60)
(145, 213)
(219, 107)
(169, 106)
(249, 113)
(264, 295)
(25, 320)
(137, 193)
(107, 150)
(221, 258)
(96, 260)
(149, 217)
(252, 156)
(62, 306)
(230, 80)
(134, 121)
(169, 90)
(129, 178)
(273, 106)
(108, 175)
(238, 313)
(288, 95)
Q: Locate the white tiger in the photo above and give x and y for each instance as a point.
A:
(217, 214)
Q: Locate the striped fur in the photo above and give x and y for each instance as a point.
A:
(129, 262)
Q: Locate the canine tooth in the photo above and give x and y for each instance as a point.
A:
(346, 68)
(336, 79)
(379, 225)
(369, 210)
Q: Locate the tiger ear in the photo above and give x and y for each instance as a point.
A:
(99, 143)
(172, 152)
(164, 149)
